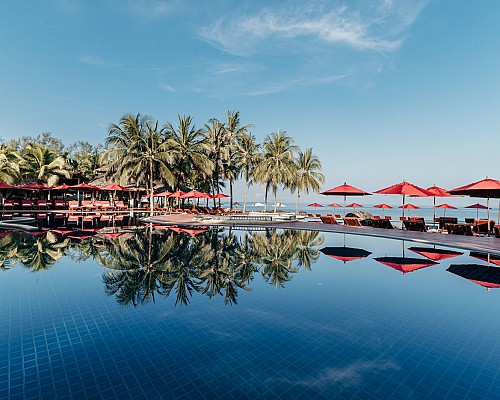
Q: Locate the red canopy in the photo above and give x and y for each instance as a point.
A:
(5, 186)
(166, 193)
(489, 258)
(192, 232)
(438, 192)
(446, 206)
(354, 205)
(345, 190)
(478, 206)
(405, 188)
(218, 196)
(33, 186)
(83, 186)
(314, 205)
(405, 264)
(60, 187)
(114, 186)
(486, 188)
(194, 194)
(334, 205)
(435, 254)
(383, 205)
(409, 206)
(345, 254)
(178, 193)
(483, 275)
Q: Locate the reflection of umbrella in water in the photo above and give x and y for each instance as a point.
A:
(81, 234)
(345, 253)
(435, 254)
(489, 277)
(489, 258)
(405, 264)
(478, 207)
(192, 232)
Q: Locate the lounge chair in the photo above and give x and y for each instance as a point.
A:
(59, 204)
(496, 231)
(469, 220)
(482, 226)
(120, 205)
(388, 218)
(328, 219)
(8, 204)
(459, 229)
(352, 221)
(382, 223)
(446, 220)
(73, 205)
(415, 226)
(27, 204)
(42, 204)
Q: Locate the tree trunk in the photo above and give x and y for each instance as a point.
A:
(246, 194)
(231, 194)
(151, 191)
(297, 203)
(275, 191)
(265, 198)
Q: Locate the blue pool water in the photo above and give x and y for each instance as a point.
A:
(239, 315)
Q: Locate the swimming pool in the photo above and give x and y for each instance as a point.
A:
(235, 314)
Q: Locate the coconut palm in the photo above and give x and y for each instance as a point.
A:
(218, 151)
(247, 158)
(147, 154)
(9, 166)
(43, 165)
(308, 176)
(277, 166)
(234, 130)
(307, 243)
(189, 148)
(40, 253)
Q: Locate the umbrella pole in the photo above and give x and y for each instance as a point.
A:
(344, 205)
(434, 219)
(488, 225)
(403, 208)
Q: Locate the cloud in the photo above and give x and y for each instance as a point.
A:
(379, 27)
(166, 87)
(295, 84)
(92, 60)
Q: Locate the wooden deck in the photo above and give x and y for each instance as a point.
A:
(477, 243)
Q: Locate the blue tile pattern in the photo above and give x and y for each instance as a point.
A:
(350, 331)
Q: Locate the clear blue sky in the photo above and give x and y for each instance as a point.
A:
(382, 90)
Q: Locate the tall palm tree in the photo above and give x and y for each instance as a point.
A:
(189, 148)
(277, 166)
(43, 165)
(247, 157)
(307, 250)
(308, 175)
(218, 151)
(9, 166)
(234, 129)
(148, 154)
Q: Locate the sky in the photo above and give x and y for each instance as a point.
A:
(383, 91)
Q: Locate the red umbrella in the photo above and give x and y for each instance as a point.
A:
(383, 205)
(334, 205)
(345, 254)
(218, 196)
(194, 194)
(112, 235)
(488, 277)
(114, 186)
(314, 205)
(409, 206)
(5, 186)
(60, 187)
(405, 264)
(405, 189)
(435, 254)
(478, 207)
(33, 186)
(354, 205)
(164, 194)
(437, 192)
(489, 258)
(178, 194)
(489, 188)
(345, 190)
(83, 186)
(445, 206)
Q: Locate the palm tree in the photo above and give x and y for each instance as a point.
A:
(277, 166)
(43, 165)
(147, 153)
(247, 157)
(307, 247)
(189, 148)
(218, 151)
(308, 176)
(234, 130)
(9, 166)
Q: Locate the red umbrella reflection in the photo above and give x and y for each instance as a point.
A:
(489, 258)
(435, 254)
(488, 277)
(405, 264)
(345, 254)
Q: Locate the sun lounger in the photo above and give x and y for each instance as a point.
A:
(73, 205)
(42, 204)
(496, 231)
(59, 204)
(328, 219)
(352, 221)
(382, 223)
(482, 226)
(415, 226)
(459, 229)
(8, 204)
(446, 220)
(26, 204)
